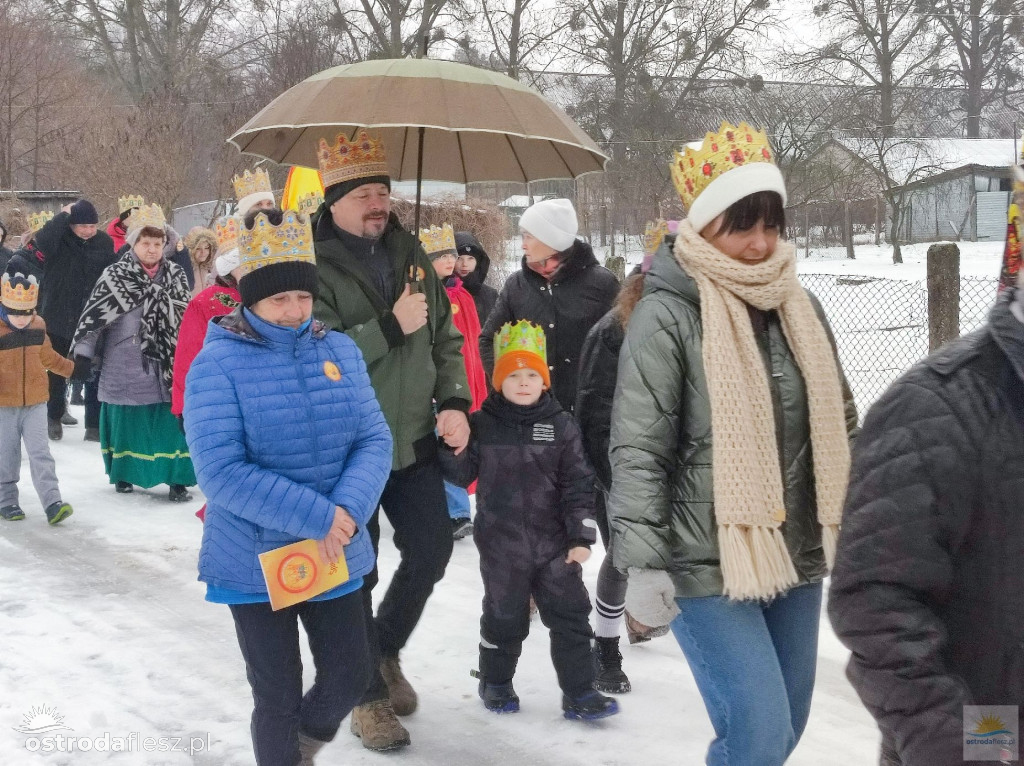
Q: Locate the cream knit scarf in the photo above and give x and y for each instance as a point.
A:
(747, 483)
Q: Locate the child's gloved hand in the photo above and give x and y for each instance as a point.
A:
(579, 554)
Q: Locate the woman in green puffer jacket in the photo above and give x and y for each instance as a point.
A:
(732, 535)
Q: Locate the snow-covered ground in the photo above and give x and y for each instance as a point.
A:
(104, 623)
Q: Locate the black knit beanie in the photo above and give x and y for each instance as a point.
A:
(277, 278)
(83, 212)
(334, 193)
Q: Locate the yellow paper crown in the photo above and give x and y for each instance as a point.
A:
(346, 160)
(128, 202)
(226, 228)
(19, 293)
(733, 146)
(654, 234)
(438, 240)
(147, 215)
(265, 244)
(520, 337)
(307, 204)
(254, 182)
(36, 221)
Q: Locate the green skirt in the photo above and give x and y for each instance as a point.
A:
(143, 445)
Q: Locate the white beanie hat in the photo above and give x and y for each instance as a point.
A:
(732, 186)
(249, 200)
(553, 222)
(227, 262)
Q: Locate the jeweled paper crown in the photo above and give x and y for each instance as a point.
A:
(146, 215)
(346, 159)
(128, 202)
(307, 204)
(36, 221)
(251, 183)
(654, 234)
(19, 292)
(226, 228)
(265, 244)
(438, 240)
(523, 337)
(733, 146)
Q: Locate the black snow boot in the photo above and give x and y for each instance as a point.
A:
(589, 706)
(610, 678)
(179, 493)
(499, 698)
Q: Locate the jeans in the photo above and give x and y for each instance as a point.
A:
(754, 663)
(270, 646)
(458, 501)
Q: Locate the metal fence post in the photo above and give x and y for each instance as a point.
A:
(943, 294)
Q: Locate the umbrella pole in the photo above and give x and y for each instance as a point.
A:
(419, 181)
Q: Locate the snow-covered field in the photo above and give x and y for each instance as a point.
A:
(104, 622)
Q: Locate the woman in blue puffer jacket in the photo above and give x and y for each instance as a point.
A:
(288, 443)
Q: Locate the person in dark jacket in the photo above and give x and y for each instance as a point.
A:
(926, 587)
(290, 445)
(5, 253)
(729, 451)
(561, 287)
(472, 266)
(534, 526)
(74, 254)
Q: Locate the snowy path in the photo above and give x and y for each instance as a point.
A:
(103, 620)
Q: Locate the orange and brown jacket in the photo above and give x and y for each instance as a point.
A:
(25, 356)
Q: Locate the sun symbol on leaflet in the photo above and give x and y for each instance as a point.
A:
(989, 726)
(41, 720)
(296, 573)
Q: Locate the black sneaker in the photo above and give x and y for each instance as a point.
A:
(68, 419)
(499, 698)
(124, 487)
(54, 430)
(610, 678)
(179, 494)
(77, 399)
(57, 512)
(11, 513)
(92, 434)
(462, 528)
(589, 706)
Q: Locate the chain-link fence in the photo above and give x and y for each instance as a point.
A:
(881, 325)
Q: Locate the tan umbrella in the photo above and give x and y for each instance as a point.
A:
(477, 125)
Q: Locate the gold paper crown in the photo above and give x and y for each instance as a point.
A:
(654, 234)
(36, 221)
(438, 240)
(128, 202)
(22, 296)
(255, 182)
(733, 146)
(307, 204)
(265, 244)
(520, 337)
(347, 160)
(146, 215)
(227, 227)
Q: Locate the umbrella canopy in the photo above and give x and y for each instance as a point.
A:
(479, 125)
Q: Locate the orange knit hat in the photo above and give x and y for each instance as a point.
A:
(517, 347)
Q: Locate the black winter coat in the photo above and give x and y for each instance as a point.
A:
(28, 261)
(71, 267)
(484, 296)
(927, 586)
(580, 293)
(599, 363)
(535, 488)
(5, 258)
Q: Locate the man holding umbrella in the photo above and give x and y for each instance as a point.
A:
(378, 287)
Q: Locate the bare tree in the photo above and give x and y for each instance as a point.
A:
(397, 28)
(523, 34)
(985, 36)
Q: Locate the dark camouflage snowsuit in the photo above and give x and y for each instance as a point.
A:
(535, 500)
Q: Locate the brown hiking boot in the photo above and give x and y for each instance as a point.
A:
(376, 725)
(308, 748)
(403, 696)
(638, 633)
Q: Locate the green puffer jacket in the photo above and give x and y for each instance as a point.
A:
(661, 502)
(408, 372)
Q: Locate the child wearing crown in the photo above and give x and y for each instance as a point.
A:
(25, 357)
(534, 525)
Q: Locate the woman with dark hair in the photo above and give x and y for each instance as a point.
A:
(129, 329)
(730, 452)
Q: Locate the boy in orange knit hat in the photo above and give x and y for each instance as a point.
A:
(25, 356)
(534, 525)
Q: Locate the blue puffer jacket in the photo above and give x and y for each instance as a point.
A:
(278, 438)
